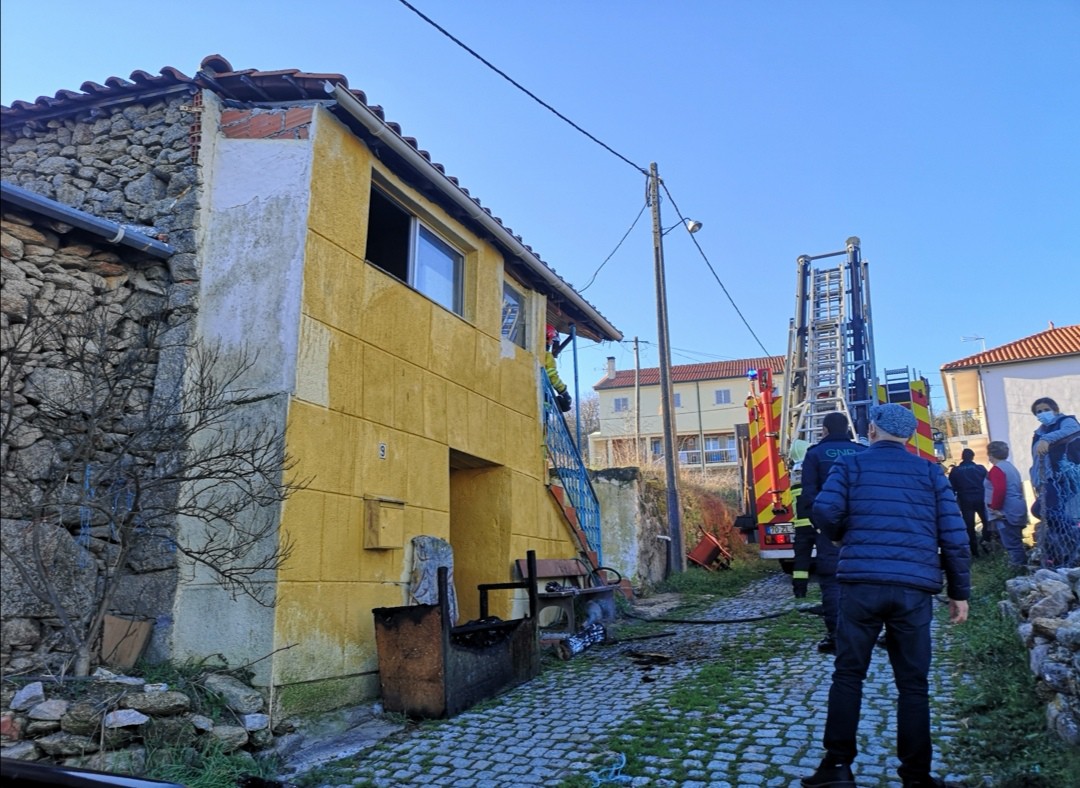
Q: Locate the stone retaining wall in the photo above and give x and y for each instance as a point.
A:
(1047, 606)
(113, 717)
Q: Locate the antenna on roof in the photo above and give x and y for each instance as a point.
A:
(975, 338)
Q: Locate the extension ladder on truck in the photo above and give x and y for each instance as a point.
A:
(830, 368)
(830, 348)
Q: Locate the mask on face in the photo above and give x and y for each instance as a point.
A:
(1046, 418)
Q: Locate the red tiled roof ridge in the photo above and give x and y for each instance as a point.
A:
(1052, 342)
(688, 373)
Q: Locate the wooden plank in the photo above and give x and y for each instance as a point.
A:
(554, 567)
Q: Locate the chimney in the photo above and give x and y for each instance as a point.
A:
(610, 367)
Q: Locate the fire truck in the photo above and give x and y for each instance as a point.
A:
(830, 367)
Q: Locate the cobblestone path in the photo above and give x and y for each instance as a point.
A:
(562, 725)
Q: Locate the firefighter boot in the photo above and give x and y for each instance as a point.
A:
(799, 587)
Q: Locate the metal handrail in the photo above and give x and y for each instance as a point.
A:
(566, 458)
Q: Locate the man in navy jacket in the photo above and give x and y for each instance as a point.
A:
(898, 525)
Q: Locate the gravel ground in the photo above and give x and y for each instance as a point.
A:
(561, 724)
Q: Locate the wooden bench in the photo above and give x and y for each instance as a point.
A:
(569, 581)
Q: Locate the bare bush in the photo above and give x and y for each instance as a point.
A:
(122, 439)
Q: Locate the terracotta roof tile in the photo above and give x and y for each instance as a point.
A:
(217, 74)
(1064, 341)
(688, 373)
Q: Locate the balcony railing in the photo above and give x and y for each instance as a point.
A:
(712, 457)
(960, 423)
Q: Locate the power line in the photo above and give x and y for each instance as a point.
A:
(695, 355)
(715, 276)
(520, 87)
(599, 142)
(613, 251)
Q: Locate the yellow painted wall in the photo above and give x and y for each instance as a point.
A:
(388, 383)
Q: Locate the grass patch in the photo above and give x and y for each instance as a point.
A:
(696, 581)
(205, 767)
(1003, 733)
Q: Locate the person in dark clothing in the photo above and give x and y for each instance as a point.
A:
(898, 525)
(836, 443)
(967, 480)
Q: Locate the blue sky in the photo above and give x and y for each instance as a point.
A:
(946, 135)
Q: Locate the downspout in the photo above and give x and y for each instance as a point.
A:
(377, 127)
(983, 416)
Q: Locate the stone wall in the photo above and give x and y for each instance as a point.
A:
(1047, 607)
(135, 166)
(632, 510)
(57, 283)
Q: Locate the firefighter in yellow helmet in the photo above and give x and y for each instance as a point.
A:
(552, 349)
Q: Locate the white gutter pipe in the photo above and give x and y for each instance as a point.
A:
(384, 133)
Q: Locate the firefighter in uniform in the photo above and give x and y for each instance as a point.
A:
(552, 348)
(805, 535)
(834, 444)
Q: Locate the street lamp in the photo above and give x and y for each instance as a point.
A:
(676, 554)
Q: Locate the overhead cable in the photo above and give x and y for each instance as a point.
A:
(613, 251)
(519, 86)
(715, 276)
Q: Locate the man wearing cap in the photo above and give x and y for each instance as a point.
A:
(896, 520)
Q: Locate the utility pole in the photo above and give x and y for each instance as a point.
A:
(637, 403)
(676, 555)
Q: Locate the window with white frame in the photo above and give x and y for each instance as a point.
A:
(513, 315)
(400, 244)
(622, 404)
(722, 397)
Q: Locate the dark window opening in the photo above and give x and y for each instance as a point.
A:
(389, 232)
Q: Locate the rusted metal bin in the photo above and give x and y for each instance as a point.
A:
(431, 669)
(709, 553)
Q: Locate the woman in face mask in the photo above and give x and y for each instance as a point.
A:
(1055, 475)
